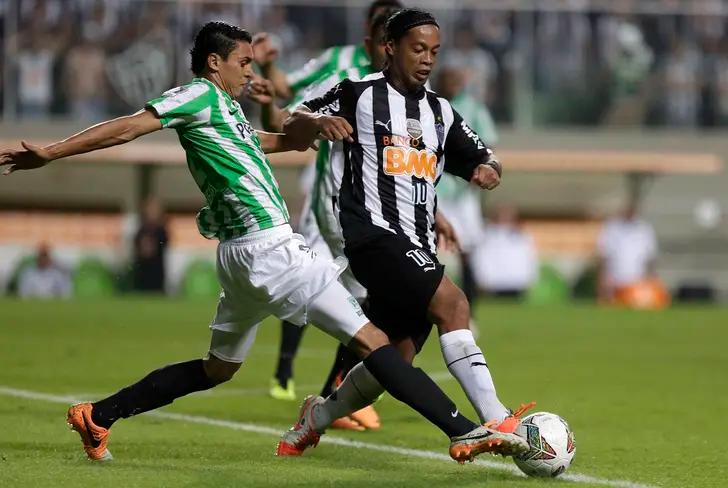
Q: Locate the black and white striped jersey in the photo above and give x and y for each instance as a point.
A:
(402, 144)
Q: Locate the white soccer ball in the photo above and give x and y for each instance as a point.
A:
(551, 442)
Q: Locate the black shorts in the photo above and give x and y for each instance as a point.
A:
(401, 279)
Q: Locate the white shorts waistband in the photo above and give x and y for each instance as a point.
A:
(261, 235)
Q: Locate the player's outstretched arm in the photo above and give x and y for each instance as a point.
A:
(106, 134)
(329, 127)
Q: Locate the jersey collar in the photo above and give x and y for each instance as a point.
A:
(233, 105)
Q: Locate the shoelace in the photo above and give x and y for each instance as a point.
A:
(525, 407)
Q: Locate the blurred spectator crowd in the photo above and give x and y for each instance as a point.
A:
(89, 59)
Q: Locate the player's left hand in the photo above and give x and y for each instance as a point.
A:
(30, 157)
(486, 177)
(447, 239)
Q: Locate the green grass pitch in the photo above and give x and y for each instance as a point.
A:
(645, 393)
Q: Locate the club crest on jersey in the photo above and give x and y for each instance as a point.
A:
(414, 128)
(410, 161)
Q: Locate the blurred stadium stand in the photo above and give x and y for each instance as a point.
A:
(596, 102)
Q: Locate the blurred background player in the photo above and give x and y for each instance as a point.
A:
(150, 249)
(389, 155)
(505, 263)
(44, 279)
(333, 59)
(457, 199)
(627, 250)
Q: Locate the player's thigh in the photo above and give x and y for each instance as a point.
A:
(399, 277)
(336, 312)
(232, 346)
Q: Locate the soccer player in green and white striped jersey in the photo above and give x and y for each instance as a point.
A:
(263, 267)
(332, 60)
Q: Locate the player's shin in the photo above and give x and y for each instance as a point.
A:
(412, 386)
(160, 387)
(467, 364)
(358, 390)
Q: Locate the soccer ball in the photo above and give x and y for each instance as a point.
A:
(551, 443)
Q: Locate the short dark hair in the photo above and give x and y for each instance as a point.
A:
(406, 19)
(381, 19)
(377, 4)
(215, 37)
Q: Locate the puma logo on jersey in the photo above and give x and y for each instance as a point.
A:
(386, 126)
(410, 161)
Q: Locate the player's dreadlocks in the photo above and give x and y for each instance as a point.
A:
(406, 19)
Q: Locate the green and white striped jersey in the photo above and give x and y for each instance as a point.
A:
(332, 60)
(225, 158)
(325, 184)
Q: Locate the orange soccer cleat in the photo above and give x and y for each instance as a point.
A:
(94, 438)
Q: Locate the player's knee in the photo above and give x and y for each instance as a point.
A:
(219, 371)
(368, 339)
(451, 309)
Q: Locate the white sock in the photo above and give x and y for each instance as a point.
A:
(467, 364)
(358, 390)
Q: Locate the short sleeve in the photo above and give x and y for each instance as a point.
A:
(338, 101)
(316, 90)
(464, 150)
(183, 106)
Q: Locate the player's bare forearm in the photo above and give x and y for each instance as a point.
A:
(99, 136)
(305, 123)
(272, 142)
(272, 117)
(106, 134)
(302, 120)
(278, 78)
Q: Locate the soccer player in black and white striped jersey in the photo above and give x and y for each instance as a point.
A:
(394, 140)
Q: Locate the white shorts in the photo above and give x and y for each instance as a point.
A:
(274, 272)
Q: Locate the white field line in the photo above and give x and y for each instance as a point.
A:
(339, 441)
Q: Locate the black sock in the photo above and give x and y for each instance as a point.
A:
(158, 388)
(291, 336)
(412, 386)
(329, 386)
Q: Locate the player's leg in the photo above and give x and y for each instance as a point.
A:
(159, 388)
(282, 386)
(450, 310)
(337, 313)
(358, 390)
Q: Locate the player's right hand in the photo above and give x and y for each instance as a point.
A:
(30, 157)
(334, 128)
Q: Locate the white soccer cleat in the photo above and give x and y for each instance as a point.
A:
(486, 439)
(303, 434)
